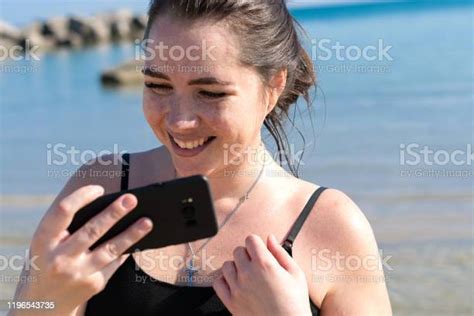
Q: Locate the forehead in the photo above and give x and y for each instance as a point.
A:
(201, 42)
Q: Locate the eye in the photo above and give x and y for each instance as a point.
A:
(213, 95)
(158, 87)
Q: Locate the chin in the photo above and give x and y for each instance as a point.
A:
(187, 171)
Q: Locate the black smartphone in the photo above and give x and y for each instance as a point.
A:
(181, 211)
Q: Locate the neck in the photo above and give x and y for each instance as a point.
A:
(235, 181)
(232, 181)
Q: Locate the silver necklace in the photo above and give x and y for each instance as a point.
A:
(191, 269)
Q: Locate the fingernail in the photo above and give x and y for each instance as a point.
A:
(146, 224)
(127, 202)
(273, 238)
(97, 189)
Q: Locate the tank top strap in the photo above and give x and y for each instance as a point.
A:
(125, 171)
(295, 229)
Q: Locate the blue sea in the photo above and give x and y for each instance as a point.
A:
(365, 115)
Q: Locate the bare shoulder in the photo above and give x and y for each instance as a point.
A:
(334, 218)
(335, 237)
(337, 220)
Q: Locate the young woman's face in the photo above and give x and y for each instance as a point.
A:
(196, 90)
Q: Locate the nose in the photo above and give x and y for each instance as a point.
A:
(181, 116)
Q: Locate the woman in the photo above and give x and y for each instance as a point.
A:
(243, 68)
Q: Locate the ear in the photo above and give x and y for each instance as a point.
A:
(276, 85)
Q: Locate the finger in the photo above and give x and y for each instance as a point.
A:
(280, 254)
(97, 226)
(229, 272)
(110, 250)
(241, 258)
(222, 290)
(58, 218)
(258, 251)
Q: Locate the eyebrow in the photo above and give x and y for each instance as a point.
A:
(199, 81)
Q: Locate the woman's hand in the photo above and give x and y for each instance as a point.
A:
(263, 280)
(68, 273)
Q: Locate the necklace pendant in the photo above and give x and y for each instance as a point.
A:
(190, 270)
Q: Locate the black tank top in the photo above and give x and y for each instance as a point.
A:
(131, 291)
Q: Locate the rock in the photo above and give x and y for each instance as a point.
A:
(100, 29)
(32, 36)
(126, 74)
(55, 28)
(120, 25)
(10, 36)
(5, 48)
(139, 22)
(9, 32)
(81, 28)
(71, 41)
(74, 31)
(138, 25)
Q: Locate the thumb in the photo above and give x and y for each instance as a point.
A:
(280, 254)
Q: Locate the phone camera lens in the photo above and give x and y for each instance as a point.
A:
(188, 212)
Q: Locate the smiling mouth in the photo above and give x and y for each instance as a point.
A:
(202, 142)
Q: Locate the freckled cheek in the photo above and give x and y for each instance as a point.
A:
(208, 115)
(154, 112)
(153, 108)
(223, 123)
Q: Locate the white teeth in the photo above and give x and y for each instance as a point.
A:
(190, 144)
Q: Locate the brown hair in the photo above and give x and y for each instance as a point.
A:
(269, 43)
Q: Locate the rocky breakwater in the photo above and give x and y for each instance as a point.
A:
(75, 32)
